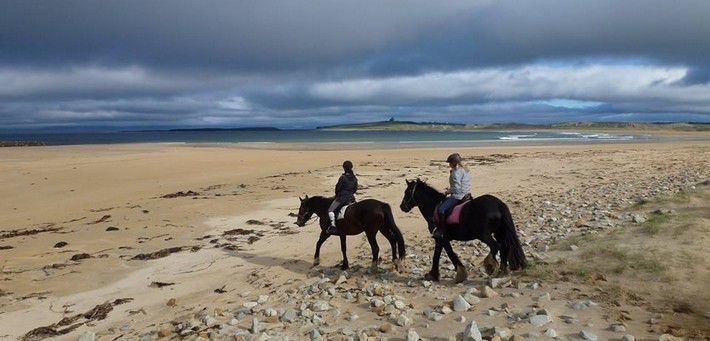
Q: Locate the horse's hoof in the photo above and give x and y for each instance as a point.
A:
(374, 265)
(397, 266)
(316, 262)
(430, 277)
(461, 274)
(490, 270)
(344, 266)
(490, 266)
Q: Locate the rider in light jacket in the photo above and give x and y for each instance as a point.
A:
(459, 187)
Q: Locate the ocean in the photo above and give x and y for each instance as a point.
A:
(311, 136)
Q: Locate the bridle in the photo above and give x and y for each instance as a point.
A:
(302, 217)
(410, 201)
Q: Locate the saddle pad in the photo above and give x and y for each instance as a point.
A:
(341, 213)
(454, 216)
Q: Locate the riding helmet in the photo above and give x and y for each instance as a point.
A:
(455, 158)
(347, 165)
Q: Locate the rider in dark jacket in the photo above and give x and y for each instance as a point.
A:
(345, 191)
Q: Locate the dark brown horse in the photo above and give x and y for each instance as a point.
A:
(367, 216)
(485, 218)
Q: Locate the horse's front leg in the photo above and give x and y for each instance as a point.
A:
(372, 239)
(433, 275)
(461, 273)
(321, 240)
(344, 248)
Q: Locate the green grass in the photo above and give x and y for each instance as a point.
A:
(653, 225)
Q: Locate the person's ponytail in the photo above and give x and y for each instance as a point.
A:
(463, 165)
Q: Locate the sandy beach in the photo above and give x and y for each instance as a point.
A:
(176, 241)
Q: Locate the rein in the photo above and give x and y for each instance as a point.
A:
(305, 214)
(303, 217)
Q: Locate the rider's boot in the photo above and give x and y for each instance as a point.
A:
(437, 231)
(332, 229)
(439, 227)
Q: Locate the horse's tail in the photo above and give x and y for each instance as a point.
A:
(392, 226)
(516, 257)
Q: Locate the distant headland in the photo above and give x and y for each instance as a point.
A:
(393, 124)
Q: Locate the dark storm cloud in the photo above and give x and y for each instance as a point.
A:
(300, 63)
(244, 35)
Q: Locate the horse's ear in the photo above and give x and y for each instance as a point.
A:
(299, 198)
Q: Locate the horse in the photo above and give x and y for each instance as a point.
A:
(482, 218)
(367, 216)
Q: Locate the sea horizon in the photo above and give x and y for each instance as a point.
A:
(313, 136)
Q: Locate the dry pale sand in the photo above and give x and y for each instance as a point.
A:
(116, 202)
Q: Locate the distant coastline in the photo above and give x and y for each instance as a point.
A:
(447, 126)
(205, 129)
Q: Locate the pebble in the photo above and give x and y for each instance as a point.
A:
(460, 304)
(471, 333)
(412, 335)
(587, 335)
(87, 336)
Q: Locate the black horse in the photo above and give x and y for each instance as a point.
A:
(367, 216)
(482, 218)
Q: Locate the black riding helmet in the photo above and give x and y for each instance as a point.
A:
(455, 158)
(347, 166)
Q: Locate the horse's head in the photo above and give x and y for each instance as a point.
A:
(304, 212)
(408, 201)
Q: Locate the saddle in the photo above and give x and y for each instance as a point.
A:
(453, 215)
(340, 210)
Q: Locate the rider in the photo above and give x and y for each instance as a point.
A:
(345, 191)
(459, 187)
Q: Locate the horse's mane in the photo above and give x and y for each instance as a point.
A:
(318, 198)
(426, 187)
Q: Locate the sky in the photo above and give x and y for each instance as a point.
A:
(134, 64)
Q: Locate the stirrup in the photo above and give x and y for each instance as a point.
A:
(437, 233)
(332, 229)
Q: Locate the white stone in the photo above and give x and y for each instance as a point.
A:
(471, 298)
(412, 335)
(403, 321)
(321, 306)
(471, 333)
(460, 304)
(87, 336)
(587, 335)
(540, 320)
